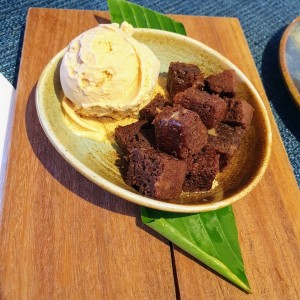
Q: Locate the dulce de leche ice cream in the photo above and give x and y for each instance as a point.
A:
(106, 72)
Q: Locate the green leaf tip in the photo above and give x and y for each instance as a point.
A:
(122, 10)
(211, 237)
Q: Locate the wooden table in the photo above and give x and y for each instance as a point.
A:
(62, 237)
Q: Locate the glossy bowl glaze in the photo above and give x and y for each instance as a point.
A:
(289, 58)
(99, 161)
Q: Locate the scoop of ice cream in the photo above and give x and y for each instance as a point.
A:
(106, 72)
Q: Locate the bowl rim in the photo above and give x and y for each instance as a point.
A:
(138, 198)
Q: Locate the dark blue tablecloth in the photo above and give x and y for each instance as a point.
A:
(263, 23)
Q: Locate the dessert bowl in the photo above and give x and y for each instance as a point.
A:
(98, 161)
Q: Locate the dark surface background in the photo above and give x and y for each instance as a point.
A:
(263, 22)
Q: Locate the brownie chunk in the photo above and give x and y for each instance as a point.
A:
(234, 134)
(179, 131)
(226, 142)
(156, 174)
(202, 170)
(211, 108)
(136, 135)
(240, 113)
(182, 76)
(222, 83)
(153, 108)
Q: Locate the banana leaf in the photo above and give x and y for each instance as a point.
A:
(141, 17)
(210, 237)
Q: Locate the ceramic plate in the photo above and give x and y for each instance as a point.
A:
(289, 57)
(97, 161)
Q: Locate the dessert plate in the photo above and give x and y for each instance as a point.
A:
(100, 161)
(289, 57)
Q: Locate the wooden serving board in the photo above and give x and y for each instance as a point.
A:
(62, 237)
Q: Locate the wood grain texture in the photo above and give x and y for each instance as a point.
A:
(62, 237)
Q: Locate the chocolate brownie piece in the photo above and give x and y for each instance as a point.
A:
(234, 134)
(154, 107)
(182, 76)
(222, 83)
(211, 108)
(156, 174)
(179, 131)
(135, 135)
(202, 170)
(226, 142)
(240, 113)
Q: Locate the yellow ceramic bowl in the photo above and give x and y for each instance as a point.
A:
(97, 161)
